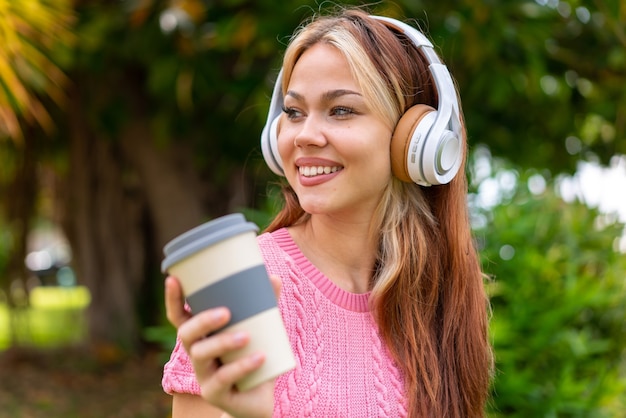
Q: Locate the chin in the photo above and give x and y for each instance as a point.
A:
(314, 209)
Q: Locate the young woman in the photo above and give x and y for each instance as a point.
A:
(381, 290)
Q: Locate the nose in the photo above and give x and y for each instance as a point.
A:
(310, 132)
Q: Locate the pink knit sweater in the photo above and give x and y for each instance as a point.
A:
(343, 369)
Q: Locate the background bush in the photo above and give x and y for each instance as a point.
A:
(557, 292)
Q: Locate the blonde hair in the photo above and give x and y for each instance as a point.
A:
(427, 292)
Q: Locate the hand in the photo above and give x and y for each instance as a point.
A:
(217, 380)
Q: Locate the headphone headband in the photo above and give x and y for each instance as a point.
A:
(430, 152)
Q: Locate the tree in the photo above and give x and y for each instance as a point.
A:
(542, 82)
(137, 166)
(31, 34)
(167, 99)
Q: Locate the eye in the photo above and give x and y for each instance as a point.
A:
(342, 111)
(291, 112)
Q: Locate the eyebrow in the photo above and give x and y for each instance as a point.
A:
(327, 96)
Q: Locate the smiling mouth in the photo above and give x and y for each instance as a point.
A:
(317, 171)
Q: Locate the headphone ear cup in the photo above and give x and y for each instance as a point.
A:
(269, 135)
(401, 139)
(269, 147)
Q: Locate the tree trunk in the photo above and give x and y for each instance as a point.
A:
(105, 222)
(125, 199)
(128, 196)
(20, 210)
(19, 207)
(168, 180)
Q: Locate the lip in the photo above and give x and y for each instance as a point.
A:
(316, 162)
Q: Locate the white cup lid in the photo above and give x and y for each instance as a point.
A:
(203, 236)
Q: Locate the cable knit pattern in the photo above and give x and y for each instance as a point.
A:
(342, 367)
(398, 392)
(381, 394)
(314, 378)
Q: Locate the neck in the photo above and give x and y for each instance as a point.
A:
(344, 251)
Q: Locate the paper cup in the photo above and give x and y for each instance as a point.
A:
(219, 264)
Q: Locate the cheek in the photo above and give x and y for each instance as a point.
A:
(379, 152)
(382, 165)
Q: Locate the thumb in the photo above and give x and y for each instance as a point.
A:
(175, 302)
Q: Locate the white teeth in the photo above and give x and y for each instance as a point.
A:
(316, 171)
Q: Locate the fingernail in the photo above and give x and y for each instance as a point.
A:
(218, 314)
(256, 358)
(239, 337)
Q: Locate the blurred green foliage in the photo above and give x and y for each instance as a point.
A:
(543, 82)
(543, 85)
(207, 68)
(557, 288)
(54, 317)
(33, 36)
(5, 249)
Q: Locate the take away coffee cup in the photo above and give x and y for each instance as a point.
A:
(219, 264)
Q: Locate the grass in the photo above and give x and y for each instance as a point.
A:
(54, 317)
(45, 372)
(5, 334)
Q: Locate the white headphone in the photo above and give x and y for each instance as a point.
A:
(426, 145)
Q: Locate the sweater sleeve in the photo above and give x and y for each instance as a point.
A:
(178, 374)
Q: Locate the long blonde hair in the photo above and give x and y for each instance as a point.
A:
(427, 292)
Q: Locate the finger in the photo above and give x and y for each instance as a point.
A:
(202, 324)
(207, 350)
(277, 284)
(174, 302)
(227, 375)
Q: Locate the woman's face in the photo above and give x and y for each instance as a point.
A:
(335, 151)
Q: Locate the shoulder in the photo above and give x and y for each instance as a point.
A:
(268, 244)
(274, 255)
